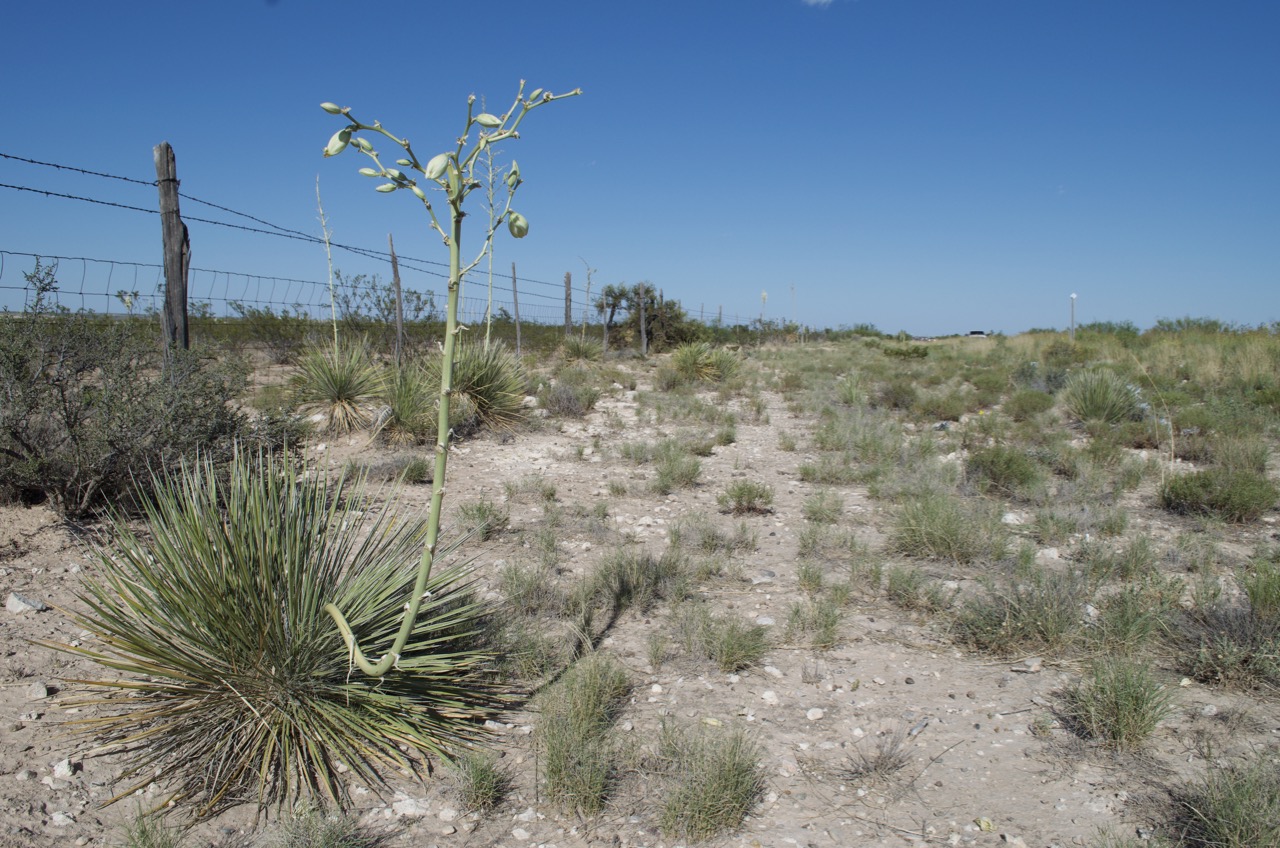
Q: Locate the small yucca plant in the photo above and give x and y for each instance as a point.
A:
(699, 362)
(340, 383)
(231, 684)
(408, 416)
(1100, 395)
(488, 384)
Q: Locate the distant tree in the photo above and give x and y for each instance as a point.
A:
(613, 297)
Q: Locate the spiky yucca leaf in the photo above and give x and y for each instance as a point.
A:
(233, 684)
(340, 384)
(409, 417)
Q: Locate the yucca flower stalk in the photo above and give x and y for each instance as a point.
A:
(452, 172)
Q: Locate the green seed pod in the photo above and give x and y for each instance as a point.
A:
(385, 187)
(363, 145)
(394, 174)
(534, 95)
(518, 225)
(331, 108)
(489, 122)
(370, 172)
(437, 166)
(422, 195)
(338, 142)
(404, 163)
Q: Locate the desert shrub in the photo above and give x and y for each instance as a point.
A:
(633, 578)
(1004, 469)
(727, 640)
(1119, 705)
(1262, 587)
(744, 497)
(1027, 404)
(942, 406)
(714, 779)
(234, 684)
(1233, 648)
(578, 349)
(1235, 806)
(899, 393)
(313, 828)
(940, 526)
(89, 406)
(1234, 496)
(566, 400)
(1030, 375)
(1132, 617)
(480, 781)
(823, 508)
(284, 334)
(1039, 612)
(1240, 453)
(150, 831)
(911, 589)
(573, 733)
(339, 384)
(1100, 395)
(483, 518)
(676, 470)
(696, 532)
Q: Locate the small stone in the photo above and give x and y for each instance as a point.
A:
(1031, 665)
(65, 769)
(521, 834)
(62, 819)
(770, 697)
(1209, 710)
(772, 672)
(765, 621)
(910, 681)
(879, 681)
(815, 714)
(529, 815)
(17, 604)
(410, 808)
(447, 814)
(24, 774)
(37, 691)
(656, 689)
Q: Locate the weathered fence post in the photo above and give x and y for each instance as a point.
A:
(515, 304)
(177, 251)
(395, 281)
(568, 304)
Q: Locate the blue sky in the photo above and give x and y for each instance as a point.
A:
(930, 166)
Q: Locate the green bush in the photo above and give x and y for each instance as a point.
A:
(490, 382)
(87, 406)
(744, 497)
(1236, 806)
(1233, 496)
(699, 362)
(574, 733)
(578, 349)
(1039, 612)
(1120, 704)
(1100, 395)
(230, 683)
(940, 526)
(1027, 404)
(715, 778)
(1004, 469)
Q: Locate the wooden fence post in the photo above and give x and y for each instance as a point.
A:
(568, 304)
(395, 280)
(515, 303)
(177, 251)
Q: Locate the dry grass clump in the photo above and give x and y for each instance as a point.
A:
(714, 779)
(1120, 704)
(945, 527)
(1235, 496)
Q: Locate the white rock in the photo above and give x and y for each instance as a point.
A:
(529, 402)
(770, 697)
(65, 769)
(764, 621)
(24, 774)
(1011, 518)
(772, 672)
(411, 808)
(17, 604)
(529, 815)
(814, 714)
(37, 691)
(521, 834)
(447, 814)
(62, 819)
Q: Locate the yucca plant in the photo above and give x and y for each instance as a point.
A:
(408, 416)
(453, 173)
(699, 362)
(340, 383)
(490, 383)
(1100, 395)
(229, 683)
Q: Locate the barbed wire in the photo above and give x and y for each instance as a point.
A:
(228, 293)
(276, 230)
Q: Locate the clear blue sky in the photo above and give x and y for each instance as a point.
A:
(934, 166)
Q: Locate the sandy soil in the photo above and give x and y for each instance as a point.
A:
(986, 761)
